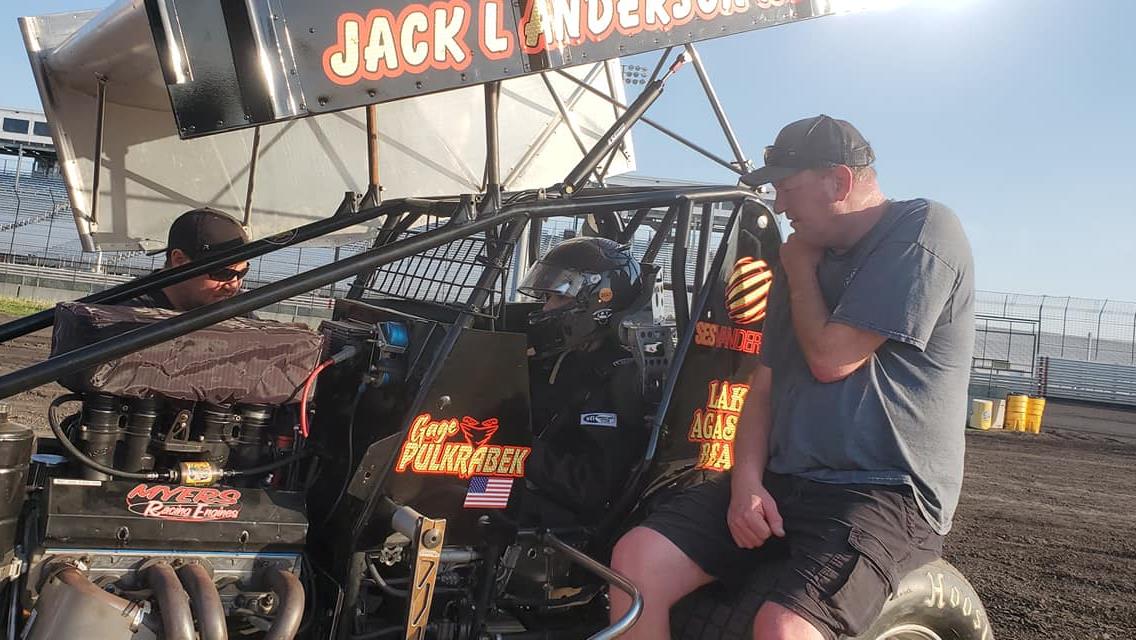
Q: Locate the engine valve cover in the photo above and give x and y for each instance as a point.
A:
(140, 515)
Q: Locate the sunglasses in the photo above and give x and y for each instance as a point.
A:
(227, 274)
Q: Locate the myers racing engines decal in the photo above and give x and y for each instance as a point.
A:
(184, 504)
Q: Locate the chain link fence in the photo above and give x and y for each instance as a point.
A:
(1058, 347)
(1101, 331)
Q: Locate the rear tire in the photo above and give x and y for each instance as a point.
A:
(934, 602)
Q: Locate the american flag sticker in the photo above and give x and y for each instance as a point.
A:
(486, 492)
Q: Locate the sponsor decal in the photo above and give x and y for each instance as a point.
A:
(184, 504)
(714, 426)
(556, 24)
(383, 45)
(747, 290)
(485, 492)
(75, 482)
(942, 593)
(199, 473)
(459, 447)
(599, 420)
(445, 34)
(716, 336)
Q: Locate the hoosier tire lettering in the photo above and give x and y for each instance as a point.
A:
(942, 595)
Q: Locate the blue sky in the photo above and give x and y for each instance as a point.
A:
(1018, 114)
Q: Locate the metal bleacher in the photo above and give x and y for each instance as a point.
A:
(35, 216)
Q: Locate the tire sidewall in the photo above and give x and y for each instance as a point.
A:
(934, 597)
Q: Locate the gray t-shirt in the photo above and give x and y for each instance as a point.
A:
(900, 418)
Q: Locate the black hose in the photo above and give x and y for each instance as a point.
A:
(205, 601)
(82, 457)
(173, 601)
(268, 466)
(382, 584)
(350, 454)
(290, 611)
(13, 597)
(388, 588)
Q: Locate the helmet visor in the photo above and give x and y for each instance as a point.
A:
(545, 279)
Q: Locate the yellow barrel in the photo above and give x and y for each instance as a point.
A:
(1016, 407)
(1034, 410)
(981, 412)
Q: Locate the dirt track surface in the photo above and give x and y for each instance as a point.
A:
(29, 407)
(1045, 531)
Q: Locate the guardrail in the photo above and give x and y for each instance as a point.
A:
(998, 383)
(1092, 381)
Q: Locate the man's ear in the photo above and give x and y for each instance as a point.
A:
(843, 181)
(176, 258)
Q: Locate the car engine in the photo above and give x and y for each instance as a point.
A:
(172, 490)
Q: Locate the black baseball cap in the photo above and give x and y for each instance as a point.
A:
(199, 232)
(812, 143)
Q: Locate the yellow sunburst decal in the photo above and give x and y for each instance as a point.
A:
(748, 290)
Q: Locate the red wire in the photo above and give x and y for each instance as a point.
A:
(307, 391)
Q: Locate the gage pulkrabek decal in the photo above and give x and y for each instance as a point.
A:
(184, 504)
(459, 448)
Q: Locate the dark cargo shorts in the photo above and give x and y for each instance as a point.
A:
(846, 547)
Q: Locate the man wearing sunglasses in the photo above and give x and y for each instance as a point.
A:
(849, 450)
(194, 235)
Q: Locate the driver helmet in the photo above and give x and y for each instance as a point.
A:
(602, 280)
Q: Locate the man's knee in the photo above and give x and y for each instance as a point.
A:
(635, 551)
(658, 568)
(776, 622)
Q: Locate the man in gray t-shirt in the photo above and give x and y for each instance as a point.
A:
(849, 451)
(896, 418)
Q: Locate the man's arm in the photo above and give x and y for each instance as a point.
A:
(753, 514)
(832, 350)
(751, 442)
